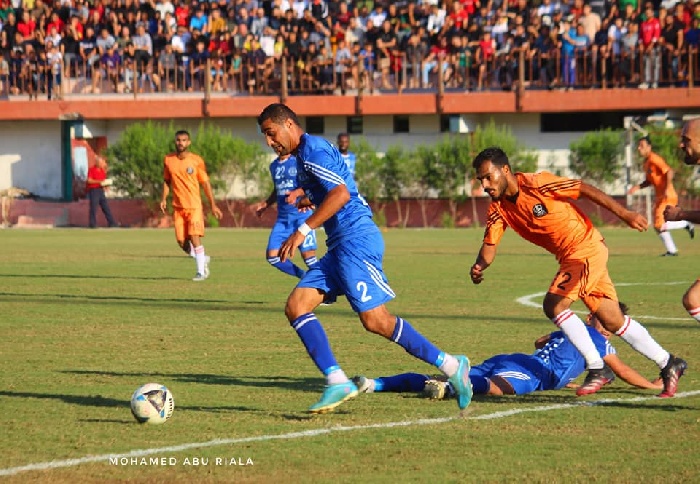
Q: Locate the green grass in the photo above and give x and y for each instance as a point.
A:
(88, 316)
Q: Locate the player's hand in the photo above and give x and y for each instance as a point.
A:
(260, 208)
(304, 205)
(477, 274)
(217, 212)
(163, 205)
(636, 221)
(290, 245)
(672, 213)
(294, 195)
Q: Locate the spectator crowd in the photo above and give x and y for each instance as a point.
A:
(325, 46)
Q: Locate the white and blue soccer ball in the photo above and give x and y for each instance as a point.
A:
(152, 403)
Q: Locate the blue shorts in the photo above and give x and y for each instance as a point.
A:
(353, 268)
(523, 372)
(283, 229)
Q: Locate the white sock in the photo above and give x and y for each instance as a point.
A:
(676, 224)
(575, 330)
(192, 252)
(450, 365)
(336, 376)
(200, 258)
(639, 338)
(668, 242)
(695, 313)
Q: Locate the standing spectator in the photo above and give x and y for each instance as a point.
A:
(104, 41)
(111, 63)
(651, 48)
(54, 60)
(343, 63)
(96, 181)
(591, 22)
(671, 45)
(386, 41)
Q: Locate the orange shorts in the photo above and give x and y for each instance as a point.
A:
(188, 222)
(659, 208)
(586, 279)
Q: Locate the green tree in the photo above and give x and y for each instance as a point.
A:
(521, 157)
(595, 157)
(368, 164)
(396, 173)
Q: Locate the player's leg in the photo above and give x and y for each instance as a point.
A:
(637, 336)
(301, 303)
(181, 231)
(574, 278)
(402, 383)
(195, 232)
(278, 235)
(367, 291)
(664, 234)
(691, 300)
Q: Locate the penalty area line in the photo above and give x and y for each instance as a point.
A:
(57, 464)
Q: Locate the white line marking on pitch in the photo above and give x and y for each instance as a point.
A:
(528, 299)
(57, 464)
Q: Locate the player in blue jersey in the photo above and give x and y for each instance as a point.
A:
(284, 173)
(352, 266)
(554, 365)
(348, 156)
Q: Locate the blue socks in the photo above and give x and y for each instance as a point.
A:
(288, 267)
(406, 382)
(480, 384)
(314, 338)
(416, 344)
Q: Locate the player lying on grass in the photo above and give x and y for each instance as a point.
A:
(554, 365)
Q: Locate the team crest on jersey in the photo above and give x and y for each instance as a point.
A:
(190, 170)
(293, 171)
(539, 210)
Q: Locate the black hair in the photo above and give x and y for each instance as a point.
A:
(343, 135)
(647, 139)
(278, 113)
(182, 132)
(494, 154)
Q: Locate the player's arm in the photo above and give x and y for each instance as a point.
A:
(630, 375)
(164, 196)
(636, 188)
(332, 203)
(542, 341)
(487, 254)
(265, 204)
(631, 218)
(210, 196)
(676, 213)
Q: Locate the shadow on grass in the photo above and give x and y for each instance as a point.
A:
(283, 382)
(199, 304)
(100, 401)
(92, 276)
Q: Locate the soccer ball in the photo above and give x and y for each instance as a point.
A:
(152, 403)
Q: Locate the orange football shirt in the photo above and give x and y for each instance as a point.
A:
(184, 176)
(544, 214)
(656, 168)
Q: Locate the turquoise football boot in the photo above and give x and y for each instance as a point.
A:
(464, 390)
(334, 395)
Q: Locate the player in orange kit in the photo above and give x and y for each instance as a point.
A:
(539, 208)
(659, 175)
(183, 174)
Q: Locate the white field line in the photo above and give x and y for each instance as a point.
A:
(528, 299)
(57, 464)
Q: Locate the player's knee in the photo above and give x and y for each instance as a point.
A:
(273, 261)
(691, 299)
(379, 323)
(553, 305)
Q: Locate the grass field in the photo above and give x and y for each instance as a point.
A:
(88, 316)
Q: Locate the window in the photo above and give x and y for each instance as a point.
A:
(401, 124)
(315, 124)
(584, 121)
(445, 123)
(355, 124)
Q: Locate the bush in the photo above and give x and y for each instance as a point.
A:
(595, 157)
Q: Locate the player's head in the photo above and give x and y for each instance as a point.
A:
(281, 128)
(595, 323)
(690, 142)
(644, 146)
(182, 141)
(493, 170)
(343, 142)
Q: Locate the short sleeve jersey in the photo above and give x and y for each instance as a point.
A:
(563, 361)
(543, 213)
(285, 177)
(323, 169)
(656, 169)
(184, 176)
